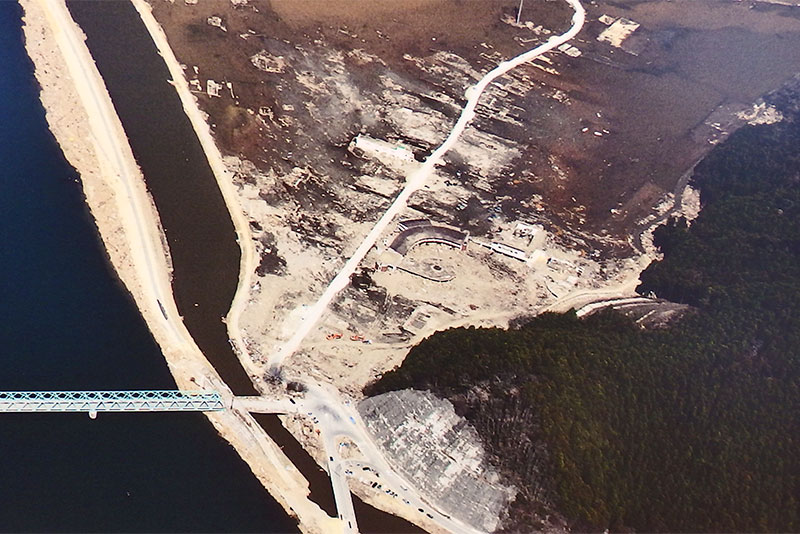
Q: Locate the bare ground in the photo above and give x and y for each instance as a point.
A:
(590, 147)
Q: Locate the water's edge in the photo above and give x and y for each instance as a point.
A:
(69, 323)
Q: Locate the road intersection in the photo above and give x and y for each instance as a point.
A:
(336, 419)
(331, 411)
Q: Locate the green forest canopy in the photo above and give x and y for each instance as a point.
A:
(691, 428)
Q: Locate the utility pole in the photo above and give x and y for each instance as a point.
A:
(519, 11)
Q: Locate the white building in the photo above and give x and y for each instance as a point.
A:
(511, 252)
(378, 148)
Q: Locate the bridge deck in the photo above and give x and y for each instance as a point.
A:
(110, 401)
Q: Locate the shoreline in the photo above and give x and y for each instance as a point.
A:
(244, 237)
(237, 204)
(81, 117)
(105, 198)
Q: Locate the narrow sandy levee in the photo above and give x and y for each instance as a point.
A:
(85, 123)
(83, 120)
(414, 182)
(249, 259)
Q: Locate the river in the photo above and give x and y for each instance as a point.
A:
(199, 230)
(66, 322)
(197, 224)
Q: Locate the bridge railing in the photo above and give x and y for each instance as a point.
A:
(110, 401)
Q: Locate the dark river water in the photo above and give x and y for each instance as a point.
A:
(67, 323)
(199, 230)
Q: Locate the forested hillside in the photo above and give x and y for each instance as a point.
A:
(692, 428)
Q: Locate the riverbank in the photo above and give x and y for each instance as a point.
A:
(83, 120)
(305, 282)
(79, 136)
(69, 324)
(249, 258)
(150, 271)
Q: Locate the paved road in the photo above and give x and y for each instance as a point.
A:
(108, 138)
(326, 406)
(600, 304)
(334, 418)
(416, 181)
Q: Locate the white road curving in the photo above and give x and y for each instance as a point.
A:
(334, 418)
(416, 181)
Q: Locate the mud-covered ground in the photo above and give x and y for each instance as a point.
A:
(398, 70)
(588, 143)
(586, 146)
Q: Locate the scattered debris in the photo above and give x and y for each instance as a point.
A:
(511, 252)
(379, 149)
(620, 30)
(569, 50)
(606, 19)
(216, 22)
(440, 452)
(268, 63)
(761, 113)
(213, 88)
(527, 230)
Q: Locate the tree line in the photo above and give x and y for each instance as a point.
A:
(695, 427)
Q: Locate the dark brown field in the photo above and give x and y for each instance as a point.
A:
(693, 57)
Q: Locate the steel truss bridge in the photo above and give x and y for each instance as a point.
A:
(93, 402)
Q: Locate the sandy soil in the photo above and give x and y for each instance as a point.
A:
(71, 125)
(307, 202)
(313, 202)
(113, 196)
(274, 305)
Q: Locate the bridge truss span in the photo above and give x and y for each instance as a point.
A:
(93, 402)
